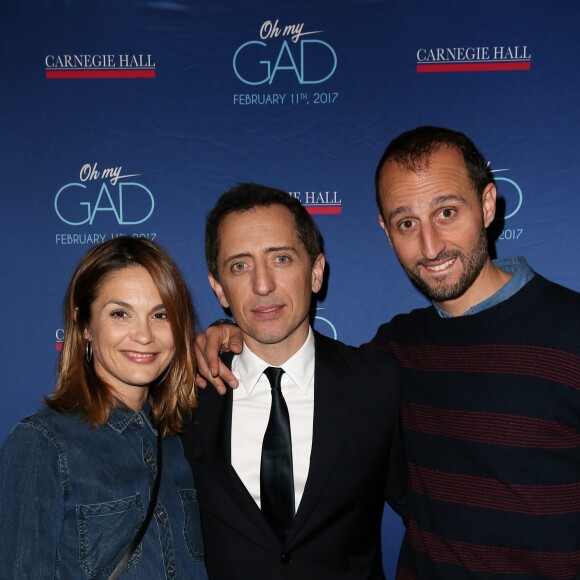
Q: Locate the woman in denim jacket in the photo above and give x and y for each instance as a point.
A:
(76, 477)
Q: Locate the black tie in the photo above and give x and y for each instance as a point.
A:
(276, 478)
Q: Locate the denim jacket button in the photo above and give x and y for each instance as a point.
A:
(160, 513)
(170, 571)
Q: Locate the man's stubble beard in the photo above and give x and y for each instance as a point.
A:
(472, 265)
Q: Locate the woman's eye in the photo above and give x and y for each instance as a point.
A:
(120, 314)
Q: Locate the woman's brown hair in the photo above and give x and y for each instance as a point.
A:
(78, 388)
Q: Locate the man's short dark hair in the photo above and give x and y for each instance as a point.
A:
(413, 149)
(246, 196)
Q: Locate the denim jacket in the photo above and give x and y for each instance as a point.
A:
(72, 498)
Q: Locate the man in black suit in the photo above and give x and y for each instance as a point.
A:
(292, 468)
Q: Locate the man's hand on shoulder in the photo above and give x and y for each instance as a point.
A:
(216, 339)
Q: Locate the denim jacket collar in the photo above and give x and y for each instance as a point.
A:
(122, 416)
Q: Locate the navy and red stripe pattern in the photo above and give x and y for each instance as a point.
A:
(491, 417)
(527, 361)
(491, 428)
(489, 493)
(493, 559)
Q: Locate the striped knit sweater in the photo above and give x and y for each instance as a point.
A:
(491, 416)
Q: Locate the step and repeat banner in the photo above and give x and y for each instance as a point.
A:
(132, 117)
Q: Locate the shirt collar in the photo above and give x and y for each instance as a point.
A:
(299, 367)
(122, 416)
(521, 275)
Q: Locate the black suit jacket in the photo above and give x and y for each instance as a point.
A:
(356, 462)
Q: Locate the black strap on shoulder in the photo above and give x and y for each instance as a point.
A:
(145, 523)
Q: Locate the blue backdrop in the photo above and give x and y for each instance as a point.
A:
(131, 117)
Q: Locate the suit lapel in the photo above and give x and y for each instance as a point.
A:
(214, 424)
(332, 396)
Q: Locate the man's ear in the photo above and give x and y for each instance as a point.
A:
(318, 273)
(384, 228)
(219, 291)
(488, 203)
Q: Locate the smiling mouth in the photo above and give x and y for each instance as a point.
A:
(440, 267)
(140, 356)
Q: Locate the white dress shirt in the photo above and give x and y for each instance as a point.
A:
(251, 410)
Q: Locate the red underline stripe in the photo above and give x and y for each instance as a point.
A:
(329, 209)
(473, 66)
(490, 493)
(493, 559)
(101, 74)
(493, 428)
